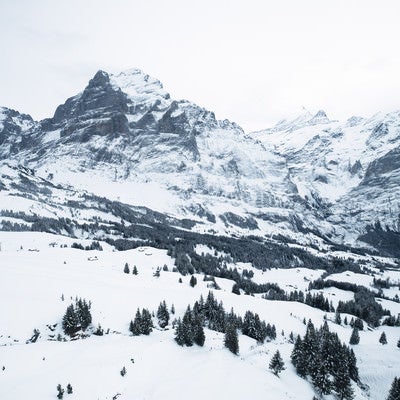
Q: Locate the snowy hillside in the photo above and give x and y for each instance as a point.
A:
(157, 368)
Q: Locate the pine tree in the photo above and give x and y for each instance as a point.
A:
(383, 339)
(353, 370)
(198, 331)
(69, 388)
(123, 371)
(277, 365)
(342, 383)
(82, 311)
(193, 281)
(172, 309)
(187, 327)
(179, 336)
(126, 268)
(355, 337)
(359, 324)
(338, 318)
(310, 349)
(394, 393)
(163, 315)
(398, 343)
(231, 339)
(134, 270)
(146, 323)
(134, 326)
(321, 379)
(70, 321)
(60, 391)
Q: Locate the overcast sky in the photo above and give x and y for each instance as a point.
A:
(253, 62)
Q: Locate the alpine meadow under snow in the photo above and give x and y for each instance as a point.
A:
(151, 251)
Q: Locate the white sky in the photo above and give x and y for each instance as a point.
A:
(250, 61)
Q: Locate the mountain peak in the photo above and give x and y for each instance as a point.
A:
(100, 79)
(139, 86)
(320, 114)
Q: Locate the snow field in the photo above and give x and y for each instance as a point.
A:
(31, 286)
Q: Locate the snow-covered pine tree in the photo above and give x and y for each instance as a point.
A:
(134, 326)
(353, 370)
(179, 336)
(163, 315)
(146, 323)
(342, 382)
(70, 322)
(187, 327)
(82, 310)
(276, 364)
(231, 341)
(198, 331)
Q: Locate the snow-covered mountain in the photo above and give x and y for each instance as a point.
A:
(124, 138)
(309, 179)
(350, 168)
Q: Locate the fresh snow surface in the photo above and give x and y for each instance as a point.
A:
(36, 271)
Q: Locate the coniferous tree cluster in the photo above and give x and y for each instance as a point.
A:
(363, 306)
(255, 328)
(330, 364)
(77, 317)
(190, 330)
(211, 314)
(142, 324)
(392, 320)
(316, 300)
(357, 323)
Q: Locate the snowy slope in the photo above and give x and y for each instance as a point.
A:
(32, 286)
